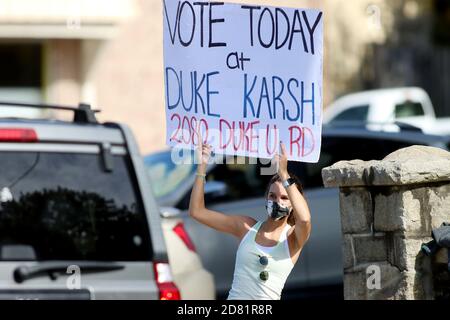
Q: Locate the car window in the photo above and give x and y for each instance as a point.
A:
(66, 207)
(336, 149)
(357, 113)
(166, 175)
(242, 178)
(408, 109)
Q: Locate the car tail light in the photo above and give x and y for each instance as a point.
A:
(181, 232)
(167, 288)
(18, 135)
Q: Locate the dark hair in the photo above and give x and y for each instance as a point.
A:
(277, 178)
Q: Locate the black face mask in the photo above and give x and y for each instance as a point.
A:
(276, 211)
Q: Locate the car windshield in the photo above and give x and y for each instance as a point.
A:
(168, 170)
(65, 206)
(357, 113)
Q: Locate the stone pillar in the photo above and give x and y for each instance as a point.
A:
(388, 209)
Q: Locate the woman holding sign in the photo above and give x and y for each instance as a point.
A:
(268, 249)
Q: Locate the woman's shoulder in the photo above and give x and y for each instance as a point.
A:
(249, 222)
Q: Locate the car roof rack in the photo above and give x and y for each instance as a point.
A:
(82, 114)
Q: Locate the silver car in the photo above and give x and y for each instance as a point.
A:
(237, 187)
(78, 219)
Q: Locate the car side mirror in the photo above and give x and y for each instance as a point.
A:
(215, 190)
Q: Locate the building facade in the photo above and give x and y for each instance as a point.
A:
(109, 53)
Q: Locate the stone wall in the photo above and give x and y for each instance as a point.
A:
(388, 209)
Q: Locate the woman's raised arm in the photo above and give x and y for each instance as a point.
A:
(301, 210)
(231, 224)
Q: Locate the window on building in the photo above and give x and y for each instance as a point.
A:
(441, 25)
(20, 77)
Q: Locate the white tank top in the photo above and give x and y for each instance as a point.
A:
(247, 284)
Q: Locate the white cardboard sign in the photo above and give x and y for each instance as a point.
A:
(249, 76)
